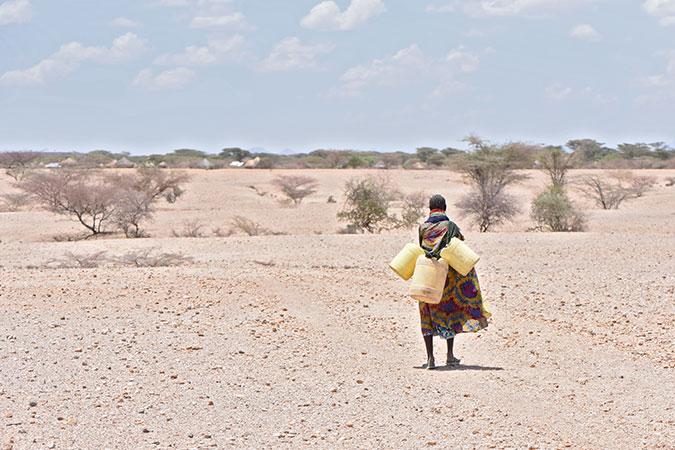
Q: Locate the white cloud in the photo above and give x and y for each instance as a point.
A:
(327, 16)
(69, 57)
(665, 9)
(171, 79)
(15, 11)
(440, 8)
(557, 92)
(585, 31)
(528, 8)
(193, 55)
(665, 79)
(410, 65)
(123, 22)
(463, 60)
(234, 20)
(291, 54)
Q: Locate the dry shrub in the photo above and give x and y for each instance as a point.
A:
(296, 187)
(670, 181)
(133, 207)
(606, 195)
(72, 260)
(412, 209)
(145, 258)
(641, 184)
(13, 201)
(249, 227)
(367, 203)
(191, 228)
(17, 163)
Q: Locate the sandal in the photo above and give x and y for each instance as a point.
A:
(431, 364)
(452, 361)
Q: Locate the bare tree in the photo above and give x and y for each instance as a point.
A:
(641, 184)
(13, 201)
(133, 207)
(607, 196)
(16, 163)
(556, 162)
(296, 187)
(146, 258)
(191, 228)
(489, 169)
(74, 193)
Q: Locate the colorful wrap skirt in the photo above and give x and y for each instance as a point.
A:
(461, 309)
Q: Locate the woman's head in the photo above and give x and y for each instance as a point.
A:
(437, 201)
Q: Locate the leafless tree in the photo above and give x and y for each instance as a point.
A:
(72, 260)
(13, 201)
(490, 169)
(606, 195)
(641, 184)
(74, 193)
(133, 207)
(296, 187)
(16, 163)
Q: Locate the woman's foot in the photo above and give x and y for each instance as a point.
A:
(452, 361)
(431, 363)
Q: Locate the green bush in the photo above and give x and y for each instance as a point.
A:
(553, 211)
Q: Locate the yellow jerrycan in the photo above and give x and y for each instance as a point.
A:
(428, 280)
(459, 256)
(404, 263)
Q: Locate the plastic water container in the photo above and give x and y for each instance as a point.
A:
(459, 256)
(404, 263)
(428, 280)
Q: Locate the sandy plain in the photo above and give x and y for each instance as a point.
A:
(308, 340)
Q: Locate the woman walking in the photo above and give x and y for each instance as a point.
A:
(461, 309)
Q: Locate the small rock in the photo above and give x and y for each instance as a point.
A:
(32, 403)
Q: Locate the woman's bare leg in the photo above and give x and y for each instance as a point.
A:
(429, 344)
(451, 356)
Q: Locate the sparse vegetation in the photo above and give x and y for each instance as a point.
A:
(16, 164)
(606, 195)
(248, 226)
(94, 198)
(554, 211)
(192, 228)
(296, 187)
(146, 258)
(72, 260)
(12, 202)
(490, 169)
(367, 203)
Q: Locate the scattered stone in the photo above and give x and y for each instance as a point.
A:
(32, 403)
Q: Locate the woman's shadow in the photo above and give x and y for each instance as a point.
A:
(460, 367)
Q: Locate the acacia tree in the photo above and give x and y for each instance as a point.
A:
(367, 203)
(74, 193)
(16, 163)
(95, 200)
(296, 187)
(556, 163)
(489, 169)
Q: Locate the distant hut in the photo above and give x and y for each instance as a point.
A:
(236, 164)
(124, 163)
(112, 163)
(68, 162)
(163, 165)
(205, 164)
(54, 165)
(252, 163)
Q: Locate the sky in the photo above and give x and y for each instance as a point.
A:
(152, 76)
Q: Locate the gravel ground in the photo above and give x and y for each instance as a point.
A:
(310, 341)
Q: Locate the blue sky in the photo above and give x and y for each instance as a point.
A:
(151, 76)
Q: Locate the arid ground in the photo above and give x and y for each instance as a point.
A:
(307, 338)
